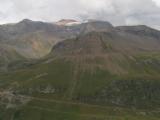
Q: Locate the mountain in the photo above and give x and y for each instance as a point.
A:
(102, 72)
(90, 26)
(140, 30)
(31, 39)
(35, 39)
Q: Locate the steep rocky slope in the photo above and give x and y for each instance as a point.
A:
(34, 39)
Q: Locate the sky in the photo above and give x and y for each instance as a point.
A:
(118, 12)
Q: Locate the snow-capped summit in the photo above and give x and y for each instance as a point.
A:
(67, 22)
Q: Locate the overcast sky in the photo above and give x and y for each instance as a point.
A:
(118, 12)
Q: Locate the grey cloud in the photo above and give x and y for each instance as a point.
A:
(118, 12)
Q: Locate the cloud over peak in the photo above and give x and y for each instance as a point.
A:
(118, 12)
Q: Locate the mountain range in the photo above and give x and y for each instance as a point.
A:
(70, 70)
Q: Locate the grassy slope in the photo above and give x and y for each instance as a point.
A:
(9, 56)
(57, 81)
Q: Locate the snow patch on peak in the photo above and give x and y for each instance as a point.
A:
(67, 22)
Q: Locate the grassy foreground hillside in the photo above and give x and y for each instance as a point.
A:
(58, 89)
